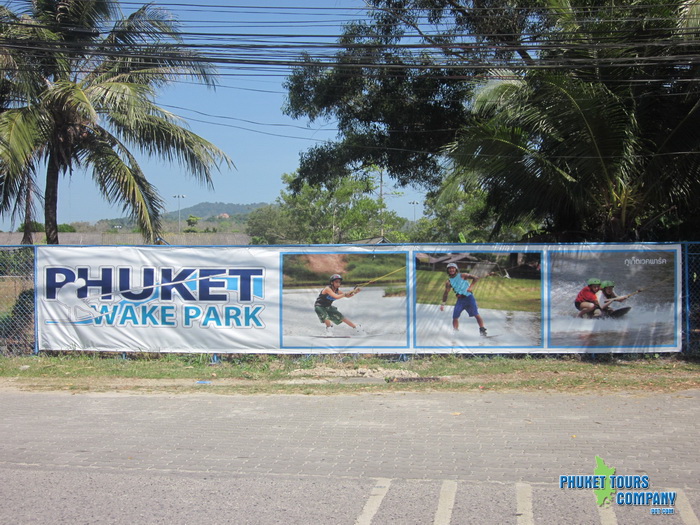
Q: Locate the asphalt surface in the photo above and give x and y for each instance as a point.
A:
(386, 326)
(423, 458)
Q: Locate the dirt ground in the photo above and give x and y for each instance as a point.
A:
(328, 263)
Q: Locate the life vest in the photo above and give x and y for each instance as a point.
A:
(324, 300)
(459, 285)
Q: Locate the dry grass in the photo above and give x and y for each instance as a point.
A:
(249, 374)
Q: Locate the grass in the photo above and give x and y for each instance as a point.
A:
(495, 293)
(356, 269)
(269, 374)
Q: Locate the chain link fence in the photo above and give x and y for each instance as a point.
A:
(691, 295)
(16, 300)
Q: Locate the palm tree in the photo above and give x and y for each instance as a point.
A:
(552, 149)
(17, 178)
(81, 98)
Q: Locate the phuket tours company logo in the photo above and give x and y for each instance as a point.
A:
(611, 488)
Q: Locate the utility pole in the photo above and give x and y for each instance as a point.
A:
(381, 203)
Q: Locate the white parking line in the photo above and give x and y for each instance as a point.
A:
(523, 498)
(375, 500)
(606, 514)
(446, 503)
(685, 511)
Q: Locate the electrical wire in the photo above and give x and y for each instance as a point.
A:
(258, 54)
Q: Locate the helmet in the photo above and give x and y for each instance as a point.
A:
(593, 280)
(334, 277)
(605, 284)
(452, 265)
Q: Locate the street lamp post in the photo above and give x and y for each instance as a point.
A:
(415, 203)
(178, 197)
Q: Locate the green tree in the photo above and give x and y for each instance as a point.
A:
(267, 225)
(397, 87)
(454, 211)
(346, 210)
(192, 221)
(35, 227)
(86, 95)
(588, 153)
(32, 226)
(546, 148)
(580, 119)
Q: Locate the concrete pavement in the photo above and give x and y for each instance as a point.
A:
(371, 458)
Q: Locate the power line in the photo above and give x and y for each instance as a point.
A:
(254, 54)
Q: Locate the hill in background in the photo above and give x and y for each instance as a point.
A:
(207, 210)
(213, 217)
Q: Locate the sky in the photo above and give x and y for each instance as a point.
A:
(243, 116)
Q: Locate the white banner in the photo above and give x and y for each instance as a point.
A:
(158, 299)
(389, 299)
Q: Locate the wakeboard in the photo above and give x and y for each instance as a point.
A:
(609, 314)
(619, 312)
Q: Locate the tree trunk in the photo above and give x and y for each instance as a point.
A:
(27, 237)
(51, 201)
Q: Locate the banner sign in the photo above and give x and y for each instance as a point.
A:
(399, 299)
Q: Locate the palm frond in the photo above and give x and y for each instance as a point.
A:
(59, 103)
(121, 180)
(689, 20)
(23, 135)
(158, 135)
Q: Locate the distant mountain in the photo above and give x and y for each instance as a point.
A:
(206, 210)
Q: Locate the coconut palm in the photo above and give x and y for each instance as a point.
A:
(552, 149)
(83, 97)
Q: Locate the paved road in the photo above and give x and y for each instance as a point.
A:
(423, 458)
